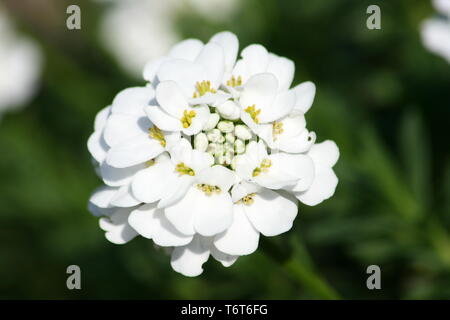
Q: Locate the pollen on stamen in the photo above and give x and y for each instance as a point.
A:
(156, 133)
(208, 189)
(233, 82)
(263, 167)
(202, 88)
(150, 163)
(186, 120)
(248, 199)
(182, 169)
(277, 129)
(253, 112)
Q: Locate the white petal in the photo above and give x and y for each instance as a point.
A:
(121, 127)
(143, 220)
(124, 198)
(241, 237)
(297, 144)
(281, 107)
(260, 90)
(134, 151)
(175, 189)
(242, 189)
(151, 223)
(286, 169)
(305, 93)
(322, 188)
(116, 177)
(149, 185)
(118, 231)
(181, 213)
(97, 146)
(217, 176)
(188, 260)
(101, 117)
(171, 98)
(199, 121)
(187, 49)
(283, 69)
(166, 235)
(271, 213)
(212, 213)
(254, 60)
(151, 68)
(102, 196)
(212, 59)
(183, 72)
(325, 153)
(230, 45)
(162, 119)
(225, 259)
(133, 100)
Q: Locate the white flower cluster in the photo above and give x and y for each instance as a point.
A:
(20, 65)
(210, 154)
(436, 30)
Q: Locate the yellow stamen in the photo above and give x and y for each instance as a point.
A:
(157, 134)
(253, 112)
(150, 163)
(186, 120)
(202, 88)
(248, 199)
(183, 169)
(233, 82)
(277, 129)
(263, 167)
(208, 189)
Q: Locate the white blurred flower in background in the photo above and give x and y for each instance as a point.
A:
(136, 31)
(20, 66)
(436, 30)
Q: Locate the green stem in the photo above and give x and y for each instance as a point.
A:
(299, 266)
(310, 279)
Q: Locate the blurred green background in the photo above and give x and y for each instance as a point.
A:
(381, 96)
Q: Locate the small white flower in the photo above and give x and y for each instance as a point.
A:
(211, 154)
(20, 65)
(436, 31)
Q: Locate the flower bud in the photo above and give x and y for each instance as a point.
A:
(239, 146)
(229, 110)
(242, 132)
(201, 142)
(225, 126)
(211, 148)
(227, 147)
(212, 122)
(229, 137)
(214, 135)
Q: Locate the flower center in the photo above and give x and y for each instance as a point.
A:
(157, 134)
(208, 189)
(233, 82)
(150, 163)
(253, 112)
(186, 120)
(248, 199)
(263, 167)
(202, 88)
(277, 129)
(183, 169)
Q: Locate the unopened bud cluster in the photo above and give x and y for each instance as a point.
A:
(223, 139)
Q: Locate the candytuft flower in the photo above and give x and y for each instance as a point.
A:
(436, 30)
(211, 154)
